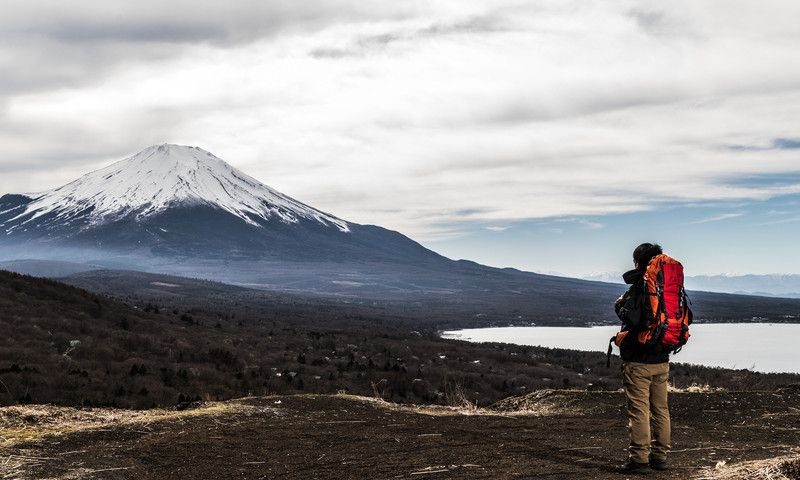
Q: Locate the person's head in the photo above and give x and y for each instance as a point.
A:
(644, 253)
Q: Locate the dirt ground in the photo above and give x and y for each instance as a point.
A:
(550, 434)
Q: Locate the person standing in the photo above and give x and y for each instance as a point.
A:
(645, 372)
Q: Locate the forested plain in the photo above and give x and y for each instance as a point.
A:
(65, 345)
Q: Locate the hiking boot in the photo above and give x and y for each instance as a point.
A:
(659, 465)
(634, 467)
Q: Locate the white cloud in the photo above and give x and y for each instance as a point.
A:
(497, 229)
(421, 115)
(717, 218)
(582, 222)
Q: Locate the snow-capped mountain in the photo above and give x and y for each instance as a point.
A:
(158, 178)
(173, 201)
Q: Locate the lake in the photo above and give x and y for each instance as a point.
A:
(762, 347)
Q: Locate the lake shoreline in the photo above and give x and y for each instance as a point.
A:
(759, 347)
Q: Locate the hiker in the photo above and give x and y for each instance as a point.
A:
(655, 299)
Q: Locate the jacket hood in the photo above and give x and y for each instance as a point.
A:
(633, 276)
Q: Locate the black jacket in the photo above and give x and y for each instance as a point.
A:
(632, 310)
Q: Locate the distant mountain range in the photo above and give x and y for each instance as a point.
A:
(775, 285)
(179, 210)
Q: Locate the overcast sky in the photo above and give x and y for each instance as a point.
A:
(508, 132)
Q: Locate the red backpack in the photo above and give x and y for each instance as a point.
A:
(668, 316)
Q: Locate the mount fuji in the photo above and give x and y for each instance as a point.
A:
(158, 178)
(180, 202)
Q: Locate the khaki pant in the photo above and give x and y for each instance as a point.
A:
(646, 390)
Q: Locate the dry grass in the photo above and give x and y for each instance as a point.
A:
(539, 403)
(27, 423)
(13, 466)
(468, 409)
(694, 388)
(551, 402)
(456, 396)
(20, 425)
(781, 468)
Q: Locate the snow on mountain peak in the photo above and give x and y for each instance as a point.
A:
(165, 175)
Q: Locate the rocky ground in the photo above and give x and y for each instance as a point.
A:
(547, 434)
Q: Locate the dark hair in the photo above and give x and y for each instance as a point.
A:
(645, 252)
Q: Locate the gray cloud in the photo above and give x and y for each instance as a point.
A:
(492, 22)
(332, 52)
(432, 113)
(150, 21)
(161, 31)
(658, 22)
(648, 19)
(360, 46)
(53, 44)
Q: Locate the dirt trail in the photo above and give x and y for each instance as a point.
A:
(561, 435)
